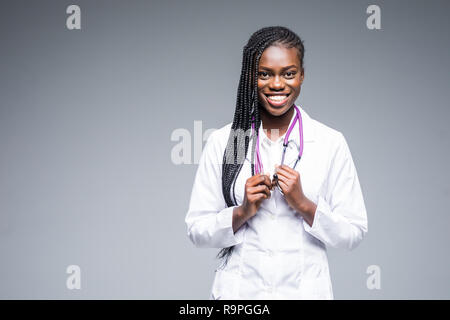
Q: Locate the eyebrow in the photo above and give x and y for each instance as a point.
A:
(285, 68)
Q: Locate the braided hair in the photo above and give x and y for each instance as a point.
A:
(247, 107)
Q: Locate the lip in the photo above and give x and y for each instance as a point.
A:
(277, 103)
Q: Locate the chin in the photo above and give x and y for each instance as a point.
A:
(277, 111)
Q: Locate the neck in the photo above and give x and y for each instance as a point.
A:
(281, 123)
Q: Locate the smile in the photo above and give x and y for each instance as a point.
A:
(277, 100)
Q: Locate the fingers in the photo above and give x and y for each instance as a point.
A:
(285, 171)
(259, 197)
(283, 185)
(259, 179)
(286, 177)
(288, 169)
(285, 180)
(267, 181)
(262, 188)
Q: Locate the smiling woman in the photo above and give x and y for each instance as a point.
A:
(273, 240)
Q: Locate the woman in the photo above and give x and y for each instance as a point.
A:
(274, 213)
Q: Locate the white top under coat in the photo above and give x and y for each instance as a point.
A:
(277, 255)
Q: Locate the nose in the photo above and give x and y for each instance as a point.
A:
(277, 83)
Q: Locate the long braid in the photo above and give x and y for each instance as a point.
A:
(247, 106)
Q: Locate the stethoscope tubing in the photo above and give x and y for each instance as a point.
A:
(259, 165)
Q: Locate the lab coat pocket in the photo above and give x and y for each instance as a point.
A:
(225, 285)
(316, 288)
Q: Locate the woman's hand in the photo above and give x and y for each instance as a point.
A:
(257, 188)
(290, 184)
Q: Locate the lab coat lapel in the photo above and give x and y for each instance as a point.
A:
(294, 139)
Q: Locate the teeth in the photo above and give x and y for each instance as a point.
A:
(277, 98)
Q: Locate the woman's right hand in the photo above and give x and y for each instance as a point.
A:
(257, 188)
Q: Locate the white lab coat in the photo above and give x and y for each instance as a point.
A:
(277, 255)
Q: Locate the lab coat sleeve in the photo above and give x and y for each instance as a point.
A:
(340, 220)
(209, 220)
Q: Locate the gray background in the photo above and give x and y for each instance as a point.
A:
(86, 116)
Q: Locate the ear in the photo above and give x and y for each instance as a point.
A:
(302, 75)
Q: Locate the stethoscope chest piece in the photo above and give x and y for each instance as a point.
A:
(276, 183)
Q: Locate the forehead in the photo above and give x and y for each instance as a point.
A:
(279, 57)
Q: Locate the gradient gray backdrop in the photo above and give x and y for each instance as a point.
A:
(86, 117)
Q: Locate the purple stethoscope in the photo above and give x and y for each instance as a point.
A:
(259, 165)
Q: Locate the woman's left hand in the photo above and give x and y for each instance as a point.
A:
(290, 184)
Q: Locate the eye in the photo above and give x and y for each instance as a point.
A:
(263, 74)
(290, 74)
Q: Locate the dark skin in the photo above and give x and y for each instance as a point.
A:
(279, 73)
